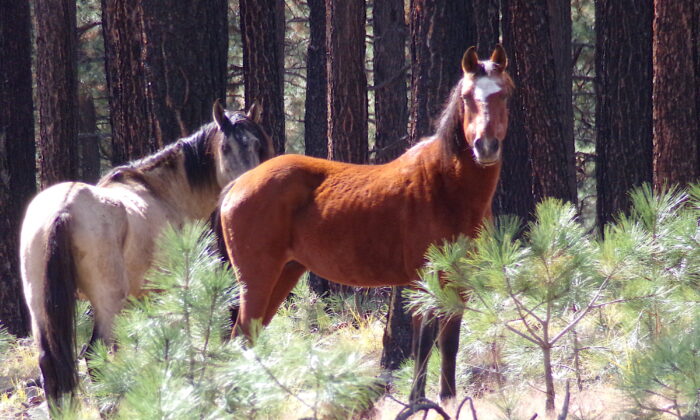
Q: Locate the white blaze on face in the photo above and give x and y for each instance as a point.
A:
(486, 86)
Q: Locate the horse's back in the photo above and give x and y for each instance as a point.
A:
(343, 221)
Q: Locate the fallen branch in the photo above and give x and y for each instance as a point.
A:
(421, 405)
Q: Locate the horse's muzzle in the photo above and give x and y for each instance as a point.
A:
(487, 151)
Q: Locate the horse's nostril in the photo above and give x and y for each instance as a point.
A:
(494, 146)
(479, 144)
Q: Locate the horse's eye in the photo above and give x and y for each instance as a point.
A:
(225, 148)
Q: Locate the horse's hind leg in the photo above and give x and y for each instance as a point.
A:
(285, 283)
(106, 288)
(448, 341)
(261, 298)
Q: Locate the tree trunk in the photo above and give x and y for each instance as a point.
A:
(538, 152)
(262, 30)
(184, 57)
(391, 104)
(391, 116)
(315, 115)
(398, 333)
(440, 33)
(346, 94)
(88, 140)
(675, 115)
(123, 38)
(548, 379)
(57, 90)
(347, 83)
(623, 99)
(17, 155)
(487, 23)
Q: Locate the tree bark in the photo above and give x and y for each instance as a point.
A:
(347, 83)
(184, 57)
(440, 33)
(390, 101)
(623, 103)
(57, 90)
(315, 113)
(675, 115)
(487, 23)
(17, 155)
(391, 116)
(123, 38)
(538, 152)
(262, 30)
(88, 140)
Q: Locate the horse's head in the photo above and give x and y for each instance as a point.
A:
(241, 142)
(485, 89)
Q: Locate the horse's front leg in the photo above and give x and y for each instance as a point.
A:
(424, 333)
(448, 342)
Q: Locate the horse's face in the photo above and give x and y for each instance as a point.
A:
(242, 144)
(485, 91)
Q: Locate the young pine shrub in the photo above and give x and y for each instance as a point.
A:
(660, 367)
(174, 359)
(532, 289)
(540, 285)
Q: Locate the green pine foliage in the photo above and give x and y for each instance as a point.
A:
(6, 340)
(174, 359)
(666, 377)
(586, 306)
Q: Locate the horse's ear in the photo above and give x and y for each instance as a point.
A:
(219, 114)
(498, 56)
(470, 61)
(255, 112)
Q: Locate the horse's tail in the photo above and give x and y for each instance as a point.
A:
(57, 331)
(217, 228)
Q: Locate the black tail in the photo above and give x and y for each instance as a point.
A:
(217, 228)
(57, 341)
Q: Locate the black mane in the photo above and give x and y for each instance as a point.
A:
(198, 160)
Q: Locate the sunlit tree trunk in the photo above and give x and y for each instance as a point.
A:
(676, 117)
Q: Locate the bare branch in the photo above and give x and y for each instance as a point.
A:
(421, 405)
(471, 406)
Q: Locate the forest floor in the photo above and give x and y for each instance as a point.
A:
(21, 397)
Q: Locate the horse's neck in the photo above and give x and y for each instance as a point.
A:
(461, 174)
(188, 203)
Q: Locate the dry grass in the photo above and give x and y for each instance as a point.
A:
(22, 398)
(19, 374)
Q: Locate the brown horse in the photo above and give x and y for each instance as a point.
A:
(98, 241)
(363, 225)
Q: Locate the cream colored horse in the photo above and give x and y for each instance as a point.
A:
(98, 241)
